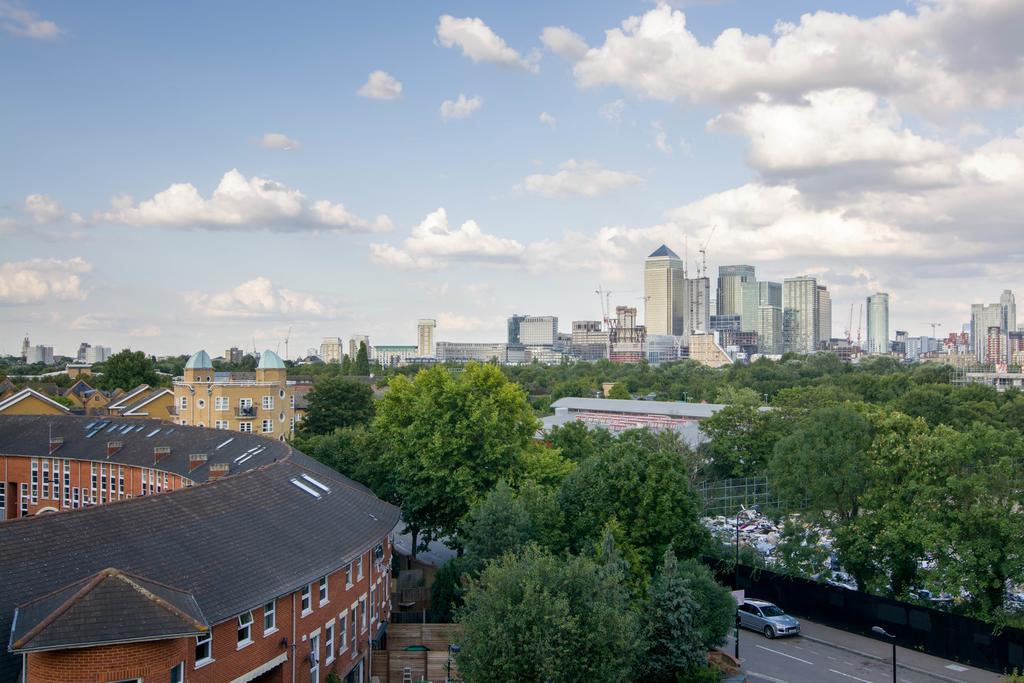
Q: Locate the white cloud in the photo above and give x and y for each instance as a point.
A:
(381, 86)
(146, 331)
(278, 141)
(579, 179)
(460, 108)
(660, 138)
(256, 298)
(479, 42)
(547, 119)
(449, 322)
(43, 209)
(949, 54)
(433, 243)
(612, 111)
(564, 42)
(238, 203)
(21, 22)
(42, 280)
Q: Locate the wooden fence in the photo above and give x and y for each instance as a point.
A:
(398, 665)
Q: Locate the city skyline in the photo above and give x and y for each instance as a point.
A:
(228, 195)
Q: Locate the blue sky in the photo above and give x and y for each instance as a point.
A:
(879, 151)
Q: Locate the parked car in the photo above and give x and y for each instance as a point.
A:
(763, 616)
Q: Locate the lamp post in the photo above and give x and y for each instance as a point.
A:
(885, 634)
(736, 567)
(453, 649)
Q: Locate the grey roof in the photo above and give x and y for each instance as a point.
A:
(689, 432)
(200, 360)
(30, 435)
(662, 251)
(110, 607)
(620, 405)
(233, 543)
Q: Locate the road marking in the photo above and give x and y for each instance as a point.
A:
(957, 667)
(832, 658)
(785, 655)
(862, 680)
(767, 677)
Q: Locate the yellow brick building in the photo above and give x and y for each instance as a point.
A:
(263, 403)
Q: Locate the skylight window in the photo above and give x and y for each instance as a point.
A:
(242, 458)
(90, 425)
(153, 433)
(92, 433)
(112, 428)
(225, 443)
(140, 428)
(314, 482)
(305, 488)
(171, 430)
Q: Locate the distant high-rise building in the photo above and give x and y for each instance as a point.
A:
(697, 294)
(97, 354)
(332, 349)
(824, 304)
(589, 340)
(627, 338)
(24, 348)
(769, 329)
(878, 323)
(39, 354)
(769, 294)
(425, 337)
(1007, 312)
(995, 346)
(234, 355)
(800, 314)
(82, 348)
(355, 341)
(514, 321)
(664, 293)
(729, 299)
(983, 318)
(538, 330)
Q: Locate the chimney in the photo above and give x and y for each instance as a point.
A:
(114, 447)
(196, 460)
(218, 470)
(160, 452)
(55, 443)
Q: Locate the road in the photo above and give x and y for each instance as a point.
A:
(839, 657)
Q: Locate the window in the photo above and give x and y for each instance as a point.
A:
(183, 402)
(200, 403)
(245, 427)
(204, 649)
(373, 605)
(291, 400)
(314, 657)
(348, 575)
(329, 641)
(245, 628)
(178, 673)
(268, 403)
(269, 617)
(245, 403)
(362, 613)
(342, 631)
(359, 565)
(220, 403)
(306, 604)
(323, 591)
(268, 426)
(281, 393)
(355, 638)
(221, 424)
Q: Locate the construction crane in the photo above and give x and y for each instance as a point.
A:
(704, 253)
(860, 319)
(286, 338)
(849, 325)
(605, 296)
(934, 325)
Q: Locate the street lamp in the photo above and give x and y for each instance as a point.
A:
(885, 634)
(453, 649)
(736, 567)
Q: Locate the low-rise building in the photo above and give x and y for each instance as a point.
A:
(618, 415)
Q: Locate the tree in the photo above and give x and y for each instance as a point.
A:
(449, 439)
(576, 441)
(643, 484)
(346, 365)
(800, 551)
(498, 524)
(742, 439)
(532, 616)
(686, 614)
(361, 366)
(334, 403)
(619, 390)
(128, 369)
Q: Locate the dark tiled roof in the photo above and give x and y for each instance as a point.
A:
(30, 435)
(233, 543)
(109, 607)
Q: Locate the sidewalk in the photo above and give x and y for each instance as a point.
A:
(909, 659)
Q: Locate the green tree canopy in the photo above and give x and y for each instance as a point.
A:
(336, 402)
(361, 365)
(128, 369)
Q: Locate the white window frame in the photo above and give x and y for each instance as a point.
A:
(348, 575)
(362, 613)
(306, 599)
(268, 426)
(314, 656)
(183, 403)
(342, 631)
(245, 427)
(322, 591)
(268, 402)
(244, 403)
(221, 403)
(359, 568)
(244, 624)
(272, 613)
(329, 641)
(178, 673)
(373, 610)
(205, 639)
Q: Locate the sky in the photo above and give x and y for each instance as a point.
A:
(186, 175)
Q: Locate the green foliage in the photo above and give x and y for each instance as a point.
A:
(537, 617)
(575, 441)
(126, 370)
(448, 591)
(336, 403)
(361, 366)
(742, 440)
(498, 524)
(619, 390)
(800, 552)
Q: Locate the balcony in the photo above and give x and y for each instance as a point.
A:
(245, 412)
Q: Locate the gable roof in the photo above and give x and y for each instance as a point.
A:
(130, 395)
(132, 408)
(30, 393)
(79, 388)
(109, 607)
(208, 540)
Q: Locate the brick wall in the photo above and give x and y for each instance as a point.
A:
(148, 661)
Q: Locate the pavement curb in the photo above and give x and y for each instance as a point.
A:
(899, 665)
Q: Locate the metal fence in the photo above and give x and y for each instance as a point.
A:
(728, 496)
(935, 632)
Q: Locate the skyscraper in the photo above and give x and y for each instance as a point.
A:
(878, 323)
(729, 299)
(331, 350)
(355, 342)
(425, 337)
(513, 327)
(665, 311)
(824, 303)
(538, 330)
(769, 294)
(1007, 312)
(697, 303)
(769, 330)
(800, 314)
(983, 318)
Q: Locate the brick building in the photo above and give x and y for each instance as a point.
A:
(275, 570)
